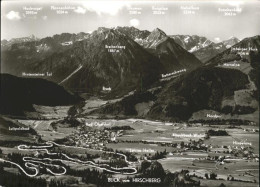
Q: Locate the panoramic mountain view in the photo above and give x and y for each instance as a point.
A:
(111, 93)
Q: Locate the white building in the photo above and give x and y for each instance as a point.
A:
(106, 89)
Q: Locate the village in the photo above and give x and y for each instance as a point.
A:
(93, 138)
(98, 138)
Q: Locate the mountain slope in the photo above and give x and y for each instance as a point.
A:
(171, 55)
(109, 58)
(103, 63)
(174, 57)
(27, 134)
(216, 88)
(245, 55)
(154, 38)
(230, 42)
(134, 33)
(6, 43)
(204, 88)
(16, 57)
(206, 53)
(191, 43)
(19, 94)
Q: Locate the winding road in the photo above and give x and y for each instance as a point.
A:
(34, 163)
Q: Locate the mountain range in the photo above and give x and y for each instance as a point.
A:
(106, 57)
(211, 50)
(227, 86)
(31, 50)
(31, 38)
(173, 77)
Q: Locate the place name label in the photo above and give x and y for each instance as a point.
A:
(242, 143)
(231, 65)
(19, 128)
(189, 10)
(173, 73)
(188, 135)
(243, 51)
(97, 124)
(135, 180)
(230, 11)
(144, 150)
(135, 10)
(31, 10)
(62, 9)
(114, 48)
(48, 74)
(213, 116)
(159, 10)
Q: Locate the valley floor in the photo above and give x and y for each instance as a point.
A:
(64, 146)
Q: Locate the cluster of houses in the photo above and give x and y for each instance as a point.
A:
(95, 139)
(251, 130)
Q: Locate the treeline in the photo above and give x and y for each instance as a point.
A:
(90, 176)
(13, 180)
(155, 170)
(84, 157)
(70, 121)
(157, 155)
(119, 163)
(54, 183)
(236, 122)
(212, 132)
(4, 143)
(212, 176)
(119, 128)
(129, 155)
(16, 157)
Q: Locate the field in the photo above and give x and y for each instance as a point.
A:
(144, 137)
(48, 112)
(45, 130)
(216, 183)
(159, 131)
(6, 134)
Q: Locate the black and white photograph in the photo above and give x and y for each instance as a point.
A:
(129, 93)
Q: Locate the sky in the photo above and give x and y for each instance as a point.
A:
(216, 20)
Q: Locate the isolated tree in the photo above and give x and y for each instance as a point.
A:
(144, 165)
(155, 170)
(213, 176)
